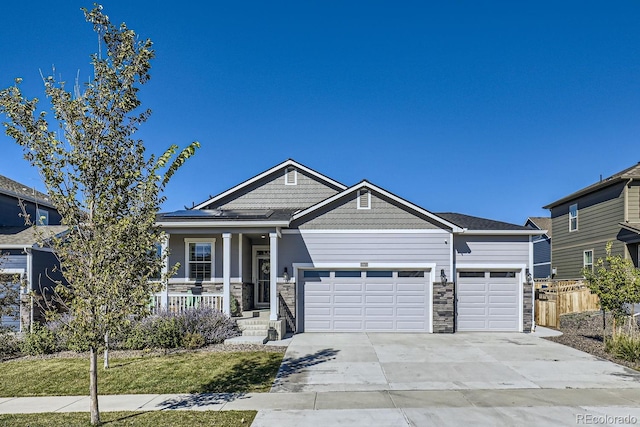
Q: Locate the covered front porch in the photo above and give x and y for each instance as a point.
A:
(229, 270)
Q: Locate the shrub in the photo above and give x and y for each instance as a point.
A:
(39, 341)
(625, 346)
(169, 330)
(213, 325)
(192, 341)
(9, 345)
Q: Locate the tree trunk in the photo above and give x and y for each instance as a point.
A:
(106, 350)
(604, 325)
(93, 387)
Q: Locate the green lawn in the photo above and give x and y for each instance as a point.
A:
(200, 372)
(134, 419)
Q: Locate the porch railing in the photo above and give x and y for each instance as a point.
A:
(286, 314)
(181, 302)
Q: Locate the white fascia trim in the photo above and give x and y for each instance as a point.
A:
(541, 263)
(269, 172)
(12, 270)
(219, 224)
(504, 232)
(366, 184)
(10, 246)
(358, 266)
(484, 266)
(541, 241)
(366, 231)
(451, 266)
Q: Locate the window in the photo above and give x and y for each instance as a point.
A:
(157, 254)
(471, 274)
(290, 176)
(417, 273)
(588, 259)
(42, 216)
(314, 274)
(502, 274)
(375, 273)
(199, 256)
(573, 217)
(348, 273)
(364, 199)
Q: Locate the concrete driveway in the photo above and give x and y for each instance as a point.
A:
(462, 361)
(490, 379)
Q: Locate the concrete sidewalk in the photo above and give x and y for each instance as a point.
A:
(321, 401)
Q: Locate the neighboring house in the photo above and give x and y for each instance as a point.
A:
(18, 242)
(321, 256)
(583, 222)
(541, 247)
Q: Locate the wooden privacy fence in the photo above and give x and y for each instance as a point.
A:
(554, 298)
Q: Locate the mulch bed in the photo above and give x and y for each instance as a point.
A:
(583, 331)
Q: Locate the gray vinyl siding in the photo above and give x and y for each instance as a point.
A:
(633, 202)
(541, 271)
(272, 193)
(383, 214)
(335, 248)
(491, 250)
(246, 260)
(14, 261)
(541, 254)
(598, 216)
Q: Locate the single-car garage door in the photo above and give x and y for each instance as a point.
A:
(488, 301)
(367, 300)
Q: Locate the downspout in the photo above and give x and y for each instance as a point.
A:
(533, 286)
(29, 252)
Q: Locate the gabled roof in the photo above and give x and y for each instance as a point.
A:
(375, 188)
(21, 191)
(541, 223)
(477, 225)
(632, 172)
(217, 217)
(281, 166)
(27, 235)
(631, 226)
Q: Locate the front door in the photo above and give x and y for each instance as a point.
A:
(261, 275)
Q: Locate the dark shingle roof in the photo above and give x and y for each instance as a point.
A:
(228, 215)
(27, 236)
(475, 223)
(631, 172)
(16, 189)
(631, 226)
(542, 222)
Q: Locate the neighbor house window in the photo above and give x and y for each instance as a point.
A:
(42, 216)
(364, 199)
(573, 217)
(588, 259)
(199, 256)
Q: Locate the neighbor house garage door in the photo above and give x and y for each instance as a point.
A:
(488, 301)
(357, 301)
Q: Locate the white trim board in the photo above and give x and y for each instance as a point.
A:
(367, 231)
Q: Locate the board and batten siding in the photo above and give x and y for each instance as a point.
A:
(355, 248)
(491, 250)
(599, 215)
(383, 214)
(271, 192)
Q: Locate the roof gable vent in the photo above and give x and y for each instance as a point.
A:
(290, 176)
(364, 198)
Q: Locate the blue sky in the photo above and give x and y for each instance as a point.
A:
(491, 109)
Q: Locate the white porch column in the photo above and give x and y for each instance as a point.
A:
(226, 273)
(164, 298)
(273, 276)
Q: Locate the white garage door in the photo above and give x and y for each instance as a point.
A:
(357, 301)
(488, 301)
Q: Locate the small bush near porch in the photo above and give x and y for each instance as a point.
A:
(181, 372)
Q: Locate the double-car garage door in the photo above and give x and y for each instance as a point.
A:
(366, 300)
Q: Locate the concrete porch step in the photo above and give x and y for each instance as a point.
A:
(248, 322)
(255, 314)
(255, 333)
(254, 327)
(247, 340)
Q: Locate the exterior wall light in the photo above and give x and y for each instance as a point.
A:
(443, 277)
(285, 275)
(529, 277)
